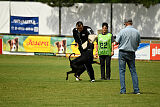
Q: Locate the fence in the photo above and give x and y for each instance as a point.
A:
(146, 20)
(54, 45)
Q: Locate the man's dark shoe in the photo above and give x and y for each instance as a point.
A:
(108, 78)
(122, 93)
(103, 79)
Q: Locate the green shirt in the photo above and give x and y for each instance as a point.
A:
(104, 44)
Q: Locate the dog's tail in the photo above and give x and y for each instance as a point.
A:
(95, 62)
(70, 56)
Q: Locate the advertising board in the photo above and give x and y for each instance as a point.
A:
(154, 51)
(24, 25)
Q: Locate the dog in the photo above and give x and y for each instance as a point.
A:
(13, 44)
(78, 68)
(61, 45)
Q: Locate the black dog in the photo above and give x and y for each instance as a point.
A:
(78, 68)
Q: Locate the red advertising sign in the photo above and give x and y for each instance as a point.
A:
(0, 46)
(154, 51)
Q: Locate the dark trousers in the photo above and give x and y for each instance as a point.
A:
(105, 59)
(86, 58)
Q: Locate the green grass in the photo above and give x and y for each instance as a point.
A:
(39, 81)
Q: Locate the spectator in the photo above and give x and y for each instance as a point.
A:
(128, 40)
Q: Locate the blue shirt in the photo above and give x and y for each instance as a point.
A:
(128, 39)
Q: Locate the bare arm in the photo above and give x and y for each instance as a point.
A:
(112, 52)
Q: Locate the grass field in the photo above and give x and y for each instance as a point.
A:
(39, 81)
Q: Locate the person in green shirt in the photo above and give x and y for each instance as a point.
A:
(105, 49)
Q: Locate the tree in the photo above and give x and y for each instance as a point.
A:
(61, 3)
(146, 3)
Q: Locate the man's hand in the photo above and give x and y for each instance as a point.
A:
(96, 54)
(112, 53)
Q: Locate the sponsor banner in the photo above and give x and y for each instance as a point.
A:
(24, 25)
(37, 44)
(46, 45)
(26, 44)
(13, 43)
(42, 44)
(154, 51)
(143, 51)
(0, 46)
(59, 46)
(116, 51)
(63, 45)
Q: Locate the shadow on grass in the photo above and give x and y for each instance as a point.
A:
(96, 81)
(111, 80)
(143, 93)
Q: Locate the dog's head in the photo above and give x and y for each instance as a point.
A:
(13, 44)
(61, 45)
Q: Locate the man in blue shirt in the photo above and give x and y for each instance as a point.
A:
(128, 40)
